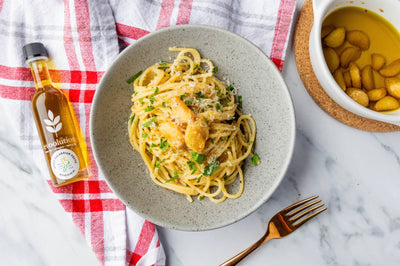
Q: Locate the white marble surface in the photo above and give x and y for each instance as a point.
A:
(356, 173)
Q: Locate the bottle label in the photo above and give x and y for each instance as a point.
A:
(64, 164)
(53, 126)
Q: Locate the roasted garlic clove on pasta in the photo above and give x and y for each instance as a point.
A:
(180, 111)
(173, 134)
(196, 135)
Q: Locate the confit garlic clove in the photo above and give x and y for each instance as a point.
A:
(358, 95)
(355, 75)
(348, 55)
(326, 30)
(377, 61)
(376, 94)
(173, 134)
(393, 86)
(358, 38)
(335, 38)
(387, 103)
(391, 70)
(347, 78)
(180, 110)
(331, 58)
(338, 76)
(367, 78)
(196, 135)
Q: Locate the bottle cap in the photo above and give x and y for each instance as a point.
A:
(34, 51)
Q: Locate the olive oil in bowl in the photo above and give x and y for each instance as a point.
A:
(361, 49)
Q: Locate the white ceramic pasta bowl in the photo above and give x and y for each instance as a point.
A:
(265, 97)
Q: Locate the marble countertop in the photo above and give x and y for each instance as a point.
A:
(356, 173)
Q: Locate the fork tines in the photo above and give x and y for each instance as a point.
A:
(304, 210)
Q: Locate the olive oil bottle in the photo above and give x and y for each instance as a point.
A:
(59, 135)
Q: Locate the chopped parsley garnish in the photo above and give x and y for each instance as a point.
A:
(164, 144)
(196, 67)
(192, 166)
(226, 177)
(131, 119)
(148, 123)
(200, 95)
(189, 102)
(151, 98)
(215, 69)
(223, 101)
(210, 169)
(230, 87)
(164, 105)
(175, 177)
(250, 142)
(198, 157)
(255, 159)
(183, 96)
(218, 90)
(205, 120)
(149, 108)
(200, 197)
(219, 107)
(239, 99)
(212, 141)
(141, 101)
(158, 164)
(132, 79)
(144, 135)
(198, 179)
(162, 63)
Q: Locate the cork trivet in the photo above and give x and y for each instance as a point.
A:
(302, 58)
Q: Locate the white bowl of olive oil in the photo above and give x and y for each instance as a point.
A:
(355, 55)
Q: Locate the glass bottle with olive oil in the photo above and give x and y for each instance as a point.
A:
(59, 135)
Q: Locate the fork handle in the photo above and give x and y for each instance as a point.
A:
(236, 259)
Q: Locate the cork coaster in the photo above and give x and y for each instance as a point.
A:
(310, 81)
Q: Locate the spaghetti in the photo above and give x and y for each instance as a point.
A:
(188, 128)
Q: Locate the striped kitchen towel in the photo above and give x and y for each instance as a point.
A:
(83, 37)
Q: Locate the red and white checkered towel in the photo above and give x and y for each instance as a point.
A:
(83, 37)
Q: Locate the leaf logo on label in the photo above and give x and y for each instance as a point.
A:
(53, 123)
(50, 114)
(50, 129)
(58, 127)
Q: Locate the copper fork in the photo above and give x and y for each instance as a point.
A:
(283, 223)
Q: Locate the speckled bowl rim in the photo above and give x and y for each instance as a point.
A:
(290, 140)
